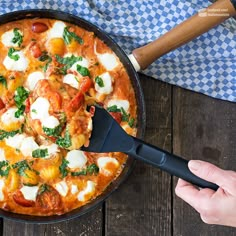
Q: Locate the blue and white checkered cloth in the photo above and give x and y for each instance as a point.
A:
(206, 65)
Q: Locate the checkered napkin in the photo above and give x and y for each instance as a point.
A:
(206, 65)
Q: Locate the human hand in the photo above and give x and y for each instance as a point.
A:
(215, 207)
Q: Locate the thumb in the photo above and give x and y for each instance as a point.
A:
(225, 179)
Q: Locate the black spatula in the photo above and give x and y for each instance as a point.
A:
(108, 136)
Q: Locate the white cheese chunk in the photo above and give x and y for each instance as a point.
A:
(74, 189)
(2, 155)
(50, 122)
(62, 188)
(52, 149)
(20, 65)
(108, 60)
(2, 184)
(90, 188)
(119, 103)
(33, 79)
(7, 38)
(102, 164)
(39, 109)
(15, 141)
(71, 80)
(8, 117)
(76, 159)
(57, 30)
(107, 84)
(30, 193)
(28, 145)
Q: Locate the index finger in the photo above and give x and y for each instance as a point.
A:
(191, 194)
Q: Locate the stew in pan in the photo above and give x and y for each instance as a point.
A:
(50, 73)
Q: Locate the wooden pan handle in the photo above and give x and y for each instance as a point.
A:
(183, 33)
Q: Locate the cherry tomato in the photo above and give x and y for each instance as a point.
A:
(48, 198)
(85, 84)
(79, 97)
(35, 51)
(117, 116)
(20, 200)
(39, 27)
(2, 105)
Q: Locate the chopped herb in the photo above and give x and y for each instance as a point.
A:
(20, 97)
(68, 62)
(62, 168)
(45, 58)
(18, 38)
(34, 111)
(131, 122)
(113, 108)
(65, 141)
(29, 184)
(91, 169)
(99, 81)
(68, 36)
(43, 188)
(21, 167)
(5, 134)
(4, 168)
(3, 81)
(40, 153)
(82, 70)
(20, 111)
(125, 116)
(14, 57)
(53, 132)
(82, 172)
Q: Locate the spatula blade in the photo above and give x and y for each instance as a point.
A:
(107, 134)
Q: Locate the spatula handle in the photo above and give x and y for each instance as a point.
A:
(168, 162)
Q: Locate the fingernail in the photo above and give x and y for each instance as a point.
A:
(194, 165)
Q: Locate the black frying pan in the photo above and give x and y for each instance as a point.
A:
(18, 15)
(141, 58)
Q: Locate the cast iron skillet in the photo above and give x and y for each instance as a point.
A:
(141, 119)
(141, 58)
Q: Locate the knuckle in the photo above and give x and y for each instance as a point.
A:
(209, 171)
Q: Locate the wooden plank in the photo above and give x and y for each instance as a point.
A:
(142, 205)
(204, 128)
(89, 224)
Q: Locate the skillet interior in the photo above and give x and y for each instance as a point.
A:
(45, 13)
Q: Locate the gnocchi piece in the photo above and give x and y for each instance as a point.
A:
(56, 46)
(30, 178)
(12, 181)
(49, 173)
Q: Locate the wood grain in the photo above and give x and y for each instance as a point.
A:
(89, 224)
(142, 206)
(203, 128)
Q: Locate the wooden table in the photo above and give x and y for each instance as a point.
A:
(186, 123)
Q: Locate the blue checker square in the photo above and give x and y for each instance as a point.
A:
(206, 65)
